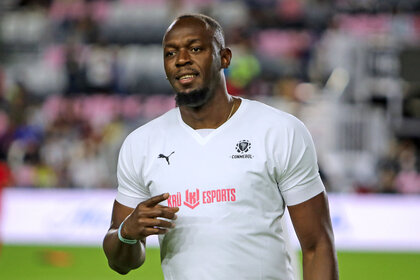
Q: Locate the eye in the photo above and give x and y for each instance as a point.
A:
(169, 53)
(196, 49)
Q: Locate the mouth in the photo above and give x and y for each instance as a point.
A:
(186, 78)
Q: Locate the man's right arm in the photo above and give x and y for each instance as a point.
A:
(139, 223)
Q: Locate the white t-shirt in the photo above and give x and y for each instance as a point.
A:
(231, 186)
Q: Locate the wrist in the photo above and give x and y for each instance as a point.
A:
(123, 239)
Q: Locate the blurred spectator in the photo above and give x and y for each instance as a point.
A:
(387, 172)
(88, 161)
(6, 179)
(244, 68)
(397, 172)
(76, 77)
(100, 66)
(408, 178)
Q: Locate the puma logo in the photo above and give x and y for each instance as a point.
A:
(166, 157)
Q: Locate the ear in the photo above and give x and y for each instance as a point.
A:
(225, 56)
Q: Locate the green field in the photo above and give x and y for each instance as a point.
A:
(89, 263)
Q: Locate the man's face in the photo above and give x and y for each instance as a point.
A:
(192, 61)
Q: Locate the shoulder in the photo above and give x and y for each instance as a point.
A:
(161, 123)
(152, 129)
(272, 118)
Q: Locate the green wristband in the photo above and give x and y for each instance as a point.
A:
(125, 240)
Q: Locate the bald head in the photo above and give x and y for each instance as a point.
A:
(210, 24)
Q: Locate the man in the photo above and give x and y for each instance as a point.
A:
(212, 177)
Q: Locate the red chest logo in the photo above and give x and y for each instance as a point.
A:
(193, 198)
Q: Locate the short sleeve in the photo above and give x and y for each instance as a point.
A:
(131, 190)
(300, 179)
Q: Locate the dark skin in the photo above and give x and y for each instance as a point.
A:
(191, 48)
(139, 223)
(312, 223)
(194, 59)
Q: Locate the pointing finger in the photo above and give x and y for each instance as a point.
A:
(170, 209)
(153, 201)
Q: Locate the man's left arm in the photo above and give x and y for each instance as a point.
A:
(312, 223)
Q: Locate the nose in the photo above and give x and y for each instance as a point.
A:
(183, 58)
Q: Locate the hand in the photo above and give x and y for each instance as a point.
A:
(144, 220)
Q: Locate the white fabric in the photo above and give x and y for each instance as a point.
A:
(229, 228)
(205, 131)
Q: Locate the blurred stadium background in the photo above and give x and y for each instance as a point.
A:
(76, 76)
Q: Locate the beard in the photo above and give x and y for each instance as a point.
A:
(195, 98)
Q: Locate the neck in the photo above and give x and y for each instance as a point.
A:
(213, 113)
